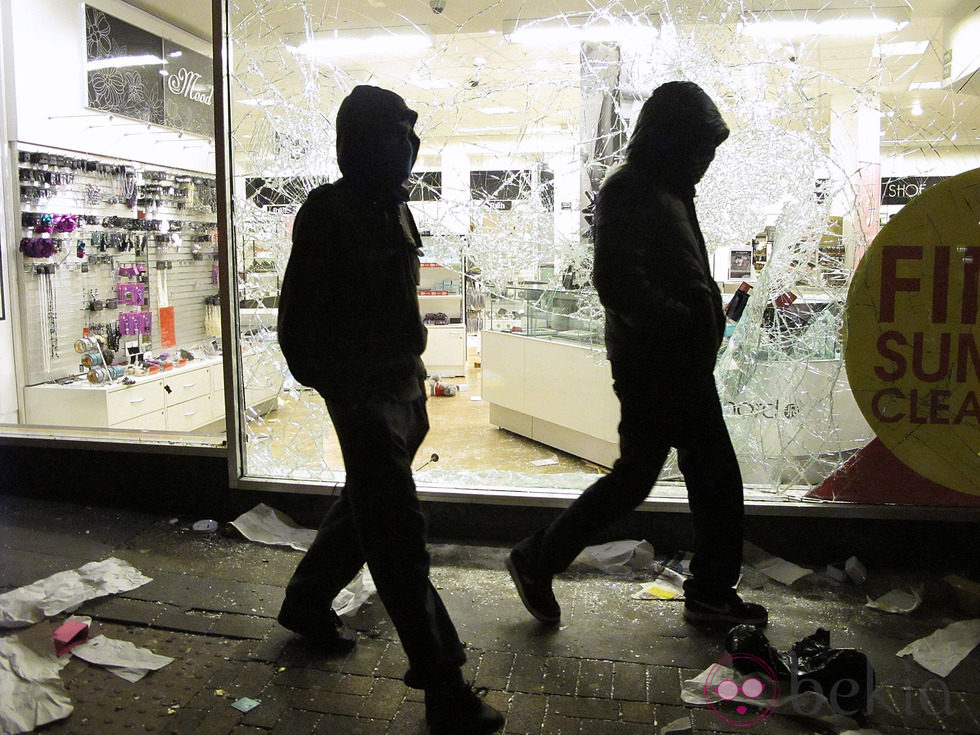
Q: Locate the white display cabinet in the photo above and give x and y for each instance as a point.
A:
(440, 297)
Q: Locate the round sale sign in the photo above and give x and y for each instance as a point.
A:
(913, 343)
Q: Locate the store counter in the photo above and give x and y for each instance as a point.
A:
(183, 399)
(553, 391)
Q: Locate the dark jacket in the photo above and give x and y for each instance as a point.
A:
(663, 308)
(349, 319)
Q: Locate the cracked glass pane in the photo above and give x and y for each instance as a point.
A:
(523, 109)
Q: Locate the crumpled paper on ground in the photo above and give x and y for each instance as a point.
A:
(122, 658)
(267, 525)
(67, 590)
(349, 599)
(31, 692)
(785, 572)
(897, 601)
(809, 704)
(618, 557)
(942, 651)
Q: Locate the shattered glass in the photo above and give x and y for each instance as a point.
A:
(816, 121)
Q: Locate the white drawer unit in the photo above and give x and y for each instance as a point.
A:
(187, 384)
(130, 401)
(189, 415)
(182, 399)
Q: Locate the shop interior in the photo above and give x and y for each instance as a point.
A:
(111, 265)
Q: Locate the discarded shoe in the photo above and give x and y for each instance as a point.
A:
(731, 611)
(326, 632)
(843, 675)
(535, 591)
(460, 710)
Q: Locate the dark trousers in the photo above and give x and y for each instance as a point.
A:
(657, 414)
(377, 520)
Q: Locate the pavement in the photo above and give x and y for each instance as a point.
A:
(614, 666)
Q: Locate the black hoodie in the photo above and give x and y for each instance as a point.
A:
(349, 321)
(663, 308)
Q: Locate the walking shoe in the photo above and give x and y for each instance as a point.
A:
(460, 710)
(326, 632)
(535, 591)
(730, 611)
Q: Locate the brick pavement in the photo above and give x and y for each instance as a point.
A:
(615, 666)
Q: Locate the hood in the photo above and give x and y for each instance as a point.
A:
(376, 142)
(677, 126)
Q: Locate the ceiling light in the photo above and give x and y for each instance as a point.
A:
(901, 48)
(916, 108)
(824, 22)
(363, 43)
(925, 85)
(575, 28)
(496, 110)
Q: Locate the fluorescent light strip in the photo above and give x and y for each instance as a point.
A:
(842, 27)
(901, 48)
(390, 44)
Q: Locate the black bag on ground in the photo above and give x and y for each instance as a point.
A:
(843, 675)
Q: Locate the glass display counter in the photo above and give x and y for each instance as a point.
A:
(534, 310)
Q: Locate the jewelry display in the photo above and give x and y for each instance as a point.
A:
(91, 230)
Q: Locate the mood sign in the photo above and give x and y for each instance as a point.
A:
(913, 340)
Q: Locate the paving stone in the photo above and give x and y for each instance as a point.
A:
(560, 675)
(231, 625)
(526, 713)
(124, 610)
(334, 725)
(528, 673)
(384, 699)
(630, 681)
(595, 679)
(583, 707)
(295, 721)
(319, 700)
(409, 720)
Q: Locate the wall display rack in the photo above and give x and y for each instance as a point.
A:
(111, 248)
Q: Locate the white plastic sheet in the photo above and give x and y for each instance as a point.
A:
(943, 650)
(31, 692)
(269, 526)
(122, 658)
(67, 590)
(618, 557)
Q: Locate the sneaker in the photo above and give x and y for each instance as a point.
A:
(732, 611)
(460, 710)
(327, 632)
(535, 592)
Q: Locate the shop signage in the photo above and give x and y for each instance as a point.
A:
(913, 335)
(899, 189)
(137, 74)
(500, 205)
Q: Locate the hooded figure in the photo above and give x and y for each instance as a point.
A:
(348, 307)
(651, 267)
(349, 326)
(664, 324)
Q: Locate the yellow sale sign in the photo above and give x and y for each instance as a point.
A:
(913, 342)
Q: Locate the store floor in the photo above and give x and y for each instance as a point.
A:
(615, 666)
(460, 434)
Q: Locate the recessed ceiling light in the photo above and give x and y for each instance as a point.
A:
(901, 48)
(496, 110)
(925, 85)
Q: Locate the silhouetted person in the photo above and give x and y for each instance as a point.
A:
(664, 325)
(349, 326)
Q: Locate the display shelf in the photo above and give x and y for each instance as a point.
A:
(440, 296)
